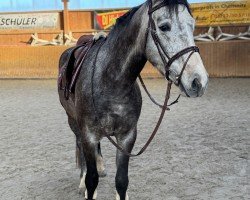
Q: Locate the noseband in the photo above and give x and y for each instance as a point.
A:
(161, 49)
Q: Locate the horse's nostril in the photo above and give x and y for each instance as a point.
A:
(196, 85)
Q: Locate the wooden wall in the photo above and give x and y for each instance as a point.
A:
(226, 59)
(80, 22)
(29, 62)
(221, 59)
(19, 60)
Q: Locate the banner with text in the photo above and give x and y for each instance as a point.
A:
(206, 14)
(221, 13)
(106, 19)
(29, 21)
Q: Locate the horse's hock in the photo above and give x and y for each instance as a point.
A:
(222, 59)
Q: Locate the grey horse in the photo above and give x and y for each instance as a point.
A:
(107, 96)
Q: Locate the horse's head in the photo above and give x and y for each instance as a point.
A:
(170, 30)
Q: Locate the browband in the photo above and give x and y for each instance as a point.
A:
(153, 9)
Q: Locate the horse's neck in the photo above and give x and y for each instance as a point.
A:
(126, 52)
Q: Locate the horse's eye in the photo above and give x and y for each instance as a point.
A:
(165, 27)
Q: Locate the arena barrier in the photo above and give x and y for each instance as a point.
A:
(24, 55)
(222, 59)
(39, 62)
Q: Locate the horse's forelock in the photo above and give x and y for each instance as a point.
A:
(173, 5)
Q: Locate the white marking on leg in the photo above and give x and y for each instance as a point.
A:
(117, 197)
(94, 196)
(82, 186)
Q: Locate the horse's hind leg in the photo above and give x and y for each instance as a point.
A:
(92, 177)
(80, 160)
(99, 162)
(121, 180)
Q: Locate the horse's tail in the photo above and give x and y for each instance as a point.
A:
(78, 157)
(64, 57)
(62, 68)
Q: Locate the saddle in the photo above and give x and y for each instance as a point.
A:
(69, 71)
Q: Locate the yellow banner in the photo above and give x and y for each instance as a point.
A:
(221, 13)
(206, 14)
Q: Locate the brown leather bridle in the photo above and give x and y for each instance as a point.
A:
(167, 64)
(161, 49)
(164, 54)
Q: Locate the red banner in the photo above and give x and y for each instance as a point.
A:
(105, 20)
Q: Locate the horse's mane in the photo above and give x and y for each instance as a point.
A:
(126, 18)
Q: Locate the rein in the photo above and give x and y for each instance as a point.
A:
(153, 100)
(167, 65)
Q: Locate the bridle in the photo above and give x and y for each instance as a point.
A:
(163, 53)
(167, 64)
(161, 49)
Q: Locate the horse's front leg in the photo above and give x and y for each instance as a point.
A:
(121, 180)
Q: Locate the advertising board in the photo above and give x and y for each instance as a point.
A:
(29, 21)
(205, 14)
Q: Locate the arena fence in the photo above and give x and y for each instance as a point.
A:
(222, 59)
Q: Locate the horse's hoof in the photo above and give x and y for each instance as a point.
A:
(117, 197)
(94, 196)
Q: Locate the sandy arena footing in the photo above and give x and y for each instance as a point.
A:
(201, 150)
